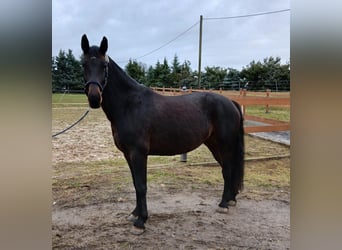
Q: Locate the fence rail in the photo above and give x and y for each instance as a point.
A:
(248, 98)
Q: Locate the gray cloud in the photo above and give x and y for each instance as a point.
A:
(134, 28)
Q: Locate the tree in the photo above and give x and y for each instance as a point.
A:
(60, 74)
(136, 70)
(175, 72)
(66, 72)
(254, 73)
(150, 77)
(267, 75)
(213, 77)
(185, 74)
(158, 75)
(270, 73)
(165, 73)
(76, 72)
(232, 80)
(54, 73)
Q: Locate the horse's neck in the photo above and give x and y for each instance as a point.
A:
(119, 87)
(120, 80)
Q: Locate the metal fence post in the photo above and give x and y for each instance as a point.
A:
(183, 157)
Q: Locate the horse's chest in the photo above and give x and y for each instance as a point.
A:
(123, 138)
(119, 142)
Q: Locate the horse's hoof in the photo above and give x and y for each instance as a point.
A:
(132, 218)
(222, 210)
(139, 223)
(137, 230)
(232, 203)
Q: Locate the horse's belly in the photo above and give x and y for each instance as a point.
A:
(171, 150)
(176, 143)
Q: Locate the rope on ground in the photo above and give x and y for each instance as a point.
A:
(72, 125)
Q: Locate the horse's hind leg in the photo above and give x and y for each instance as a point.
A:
(225, 158)
(228, 196)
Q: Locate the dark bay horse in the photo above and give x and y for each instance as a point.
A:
(145, 123)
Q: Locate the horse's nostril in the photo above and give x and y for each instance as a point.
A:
(94, 101)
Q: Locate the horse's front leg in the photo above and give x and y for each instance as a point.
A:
(134, 215)
(138, 165)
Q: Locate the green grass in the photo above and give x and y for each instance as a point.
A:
(87, 183)
(274, 174)
(69, 98)
(275, 112)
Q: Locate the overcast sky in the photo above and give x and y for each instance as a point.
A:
(135, 28)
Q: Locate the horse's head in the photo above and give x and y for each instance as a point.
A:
(95, 65)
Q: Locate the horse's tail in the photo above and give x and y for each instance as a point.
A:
(239, 154)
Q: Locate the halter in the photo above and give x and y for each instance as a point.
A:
(96, 82)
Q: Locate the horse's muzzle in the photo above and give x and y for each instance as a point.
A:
(94, 102)
(94, 94)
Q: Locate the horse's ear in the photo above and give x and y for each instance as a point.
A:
(104, 45)
(85, 44)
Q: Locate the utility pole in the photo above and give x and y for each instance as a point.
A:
(200, 52)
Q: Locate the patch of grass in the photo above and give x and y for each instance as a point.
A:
(270, 174)
(67, 113)
(103, 181)
(163, 169)
(185, 174)
(258, 174)
(69, 98)
(257, 147)
(279, 113)
(89, 182)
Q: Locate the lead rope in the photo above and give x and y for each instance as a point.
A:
(63, 131)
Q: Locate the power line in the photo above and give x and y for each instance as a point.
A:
(167, 43)
(248, 15)
(174, 39)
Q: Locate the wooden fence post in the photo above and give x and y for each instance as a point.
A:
(267, 96)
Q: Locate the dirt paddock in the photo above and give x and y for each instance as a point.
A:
(182, 220)
(93, 195)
